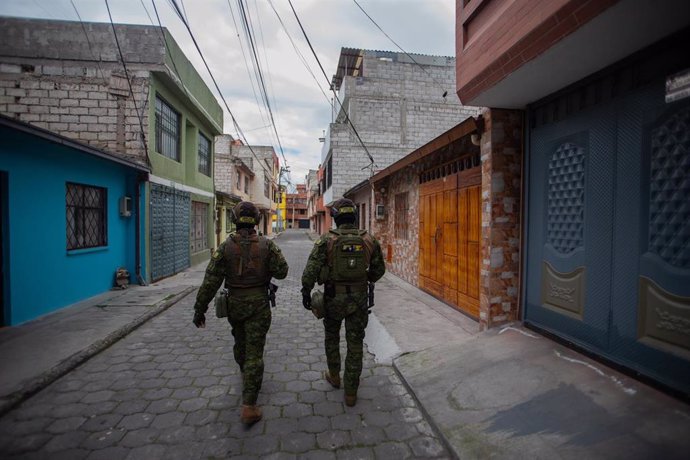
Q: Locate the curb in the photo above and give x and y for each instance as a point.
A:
(40, 382)
(444, 440)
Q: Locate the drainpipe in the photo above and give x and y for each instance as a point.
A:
(137, 234)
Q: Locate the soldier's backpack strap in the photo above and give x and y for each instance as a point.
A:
(368, 244)
(330, 245)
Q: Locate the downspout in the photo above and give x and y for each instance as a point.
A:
(137, 234)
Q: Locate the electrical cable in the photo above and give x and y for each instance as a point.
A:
(246, 19)
(299, 53)
(86, 35)
(445, 92)
(208, 69)
(246, 65)
(129, 83)
(347, 117)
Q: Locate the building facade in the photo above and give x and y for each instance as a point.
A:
(263, 189)
(147, 105)
(70, 218)
(395, 103)
(296, 208)
(606, 230)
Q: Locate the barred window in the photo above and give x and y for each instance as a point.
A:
(239, 180)
(167, 130)
(199, 228)
(401, 217)
(86, 216)
(267, 185)
(204, 155)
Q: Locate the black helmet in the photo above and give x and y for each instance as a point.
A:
(245, 213)
(342, 207)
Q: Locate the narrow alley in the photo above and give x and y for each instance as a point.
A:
(169, 390)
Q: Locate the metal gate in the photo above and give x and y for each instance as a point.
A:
(608, 257)
(170, 226)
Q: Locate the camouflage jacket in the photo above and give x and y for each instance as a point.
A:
(215, 273)
(318, 260)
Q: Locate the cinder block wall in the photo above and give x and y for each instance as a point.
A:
(51, 77)
(224, 167)
(396, 107)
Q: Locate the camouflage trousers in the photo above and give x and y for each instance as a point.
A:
(250, 320)
(356, 319)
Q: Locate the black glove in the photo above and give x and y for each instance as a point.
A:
(306, 298)
(199, 319)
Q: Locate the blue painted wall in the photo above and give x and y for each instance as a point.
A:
(43, 275)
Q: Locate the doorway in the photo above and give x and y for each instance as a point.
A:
(4, 246)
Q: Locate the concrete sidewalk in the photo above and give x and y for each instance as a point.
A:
(35, 354)
(512, 393)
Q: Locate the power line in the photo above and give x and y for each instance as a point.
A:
(129, 83)
(248, 30)
(220, 93)
(299, 53)
(246, 65)
(86, 35)
(445, 92)
(347, 117)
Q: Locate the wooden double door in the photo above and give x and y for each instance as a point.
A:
(449, 243)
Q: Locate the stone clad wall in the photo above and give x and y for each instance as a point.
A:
(501, 151)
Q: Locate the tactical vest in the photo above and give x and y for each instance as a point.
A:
(349, 253)
(247, 258)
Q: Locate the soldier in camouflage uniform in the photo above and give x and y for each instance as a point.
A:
(345, 298)
(246, 262)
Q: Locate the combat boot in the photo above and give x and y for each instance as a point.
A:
(350, 400)
(334, 380)
(250, 414)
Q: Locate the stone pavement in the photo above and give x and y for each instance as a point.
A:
(169, 390)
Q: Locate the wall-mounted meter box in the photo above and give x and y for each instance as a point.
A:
(125, 206)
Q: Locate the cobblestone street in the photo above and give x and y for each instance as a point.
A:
(169, 390)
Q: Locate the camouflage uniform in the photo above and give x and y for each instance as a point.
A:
(248, 314)
(340, 305)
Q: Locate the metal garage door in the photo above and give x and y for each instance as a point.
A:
(170, 224)
(608, 258)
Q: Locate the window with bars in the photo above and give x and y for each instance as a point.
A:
(198, 229)
(86, 216)
(246, 184)
(167, 130)
(267, 185)
(401, 210)
(239, 180)
(204, 155)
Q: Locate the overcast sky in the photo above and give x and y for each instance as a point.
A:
(300, 109)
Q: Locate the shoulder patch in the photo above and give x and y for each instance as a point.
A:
(217, 255)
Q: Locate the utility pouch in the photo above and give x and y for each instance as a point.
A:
(221, 303)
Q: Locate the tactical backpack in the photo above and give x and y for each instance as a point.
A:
(248, 261)
(349, 253)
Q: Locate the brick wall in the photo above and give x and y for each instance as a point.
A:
(501, 154)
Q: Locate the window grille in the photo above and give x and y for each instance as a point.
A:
(167, 130)
(204, 155)
(267, 185)
(401, 217)
(86, 216)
